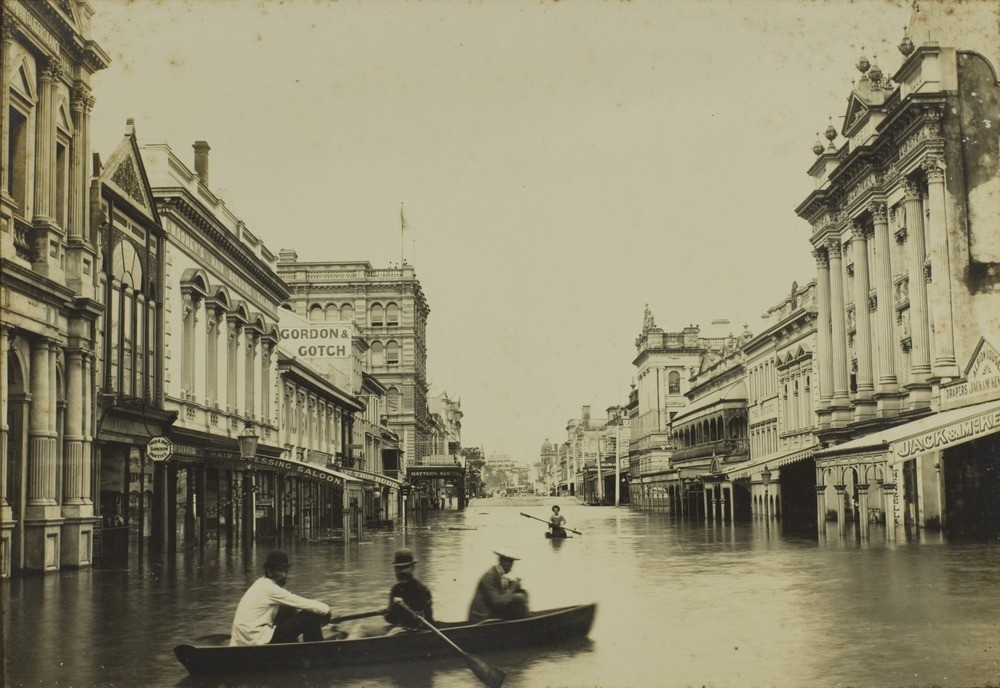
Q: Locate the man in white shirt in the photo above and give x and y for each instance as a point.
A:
(269, 614)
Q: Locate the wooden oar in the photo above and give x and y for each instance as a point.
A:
(484, 671)
(547, 523)
(220, 637)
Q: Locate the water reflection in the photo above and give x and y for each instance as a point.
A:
(680, 603)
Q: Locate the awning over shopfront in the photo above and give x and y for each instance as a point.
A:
(305, 470)
(749, 468)
(930, 433)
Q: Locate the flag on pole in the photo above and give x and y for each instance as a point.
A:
(402, 218)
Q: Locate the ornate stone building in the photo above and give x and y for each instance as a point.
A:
(390, 310)
(50, 303)
(906, 234)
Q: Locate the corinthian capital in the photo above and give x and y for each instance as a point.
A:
(833, 247)
(7, 27)
(933, 168)
(912, 189)
(822, 260)
(54, 69)
(878, 211)
(860, 231)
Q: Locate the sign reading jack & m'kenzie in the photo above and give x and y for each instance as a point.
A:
(957, 432)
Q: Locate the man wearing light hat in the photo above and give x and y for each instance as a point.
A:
(498, 595)
(268, 613)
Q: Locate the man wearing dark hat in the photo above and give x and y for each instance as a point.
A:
(269, 614)
(410, 591)
(498, 595)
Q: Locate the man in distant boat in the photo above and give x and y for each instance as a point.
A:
(556, 522)
(269, 614)
(498, 594)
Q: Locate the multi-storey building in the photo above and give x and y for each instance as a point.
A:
(906, 233)
(390, 310)
(50, 300)
(450, 413)
(664, 364)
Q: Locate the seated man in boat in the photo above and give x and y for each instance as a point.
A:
(556, 523)
(269, 614)
(499, 595)
(408, 590)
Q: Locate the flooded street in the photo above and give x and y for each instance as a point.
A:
(679, 604)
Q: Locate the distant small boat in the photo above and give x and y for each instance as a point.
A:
(552, 536)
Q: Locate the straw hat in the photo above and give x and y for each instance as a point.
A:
(506, 553)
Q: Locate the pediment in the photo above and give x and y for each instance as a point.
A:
(857, 110)
(125, 174)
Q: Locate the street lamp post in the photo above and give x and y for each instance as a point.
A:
(618, 462)
(248, 451)
(765, 476)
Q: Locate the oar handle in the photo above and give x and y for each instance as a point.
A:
(429, 625)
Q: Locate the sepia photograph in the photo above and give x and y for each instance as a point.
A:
(524, 343)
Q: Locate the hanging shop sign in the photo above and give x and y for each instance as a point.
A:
(369, 476)
(159, 449)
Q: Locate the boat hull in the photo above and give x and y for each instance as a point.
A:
(540, 628)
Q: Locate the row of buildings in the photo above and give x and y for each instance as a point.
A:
(147, 331)
(872, 394)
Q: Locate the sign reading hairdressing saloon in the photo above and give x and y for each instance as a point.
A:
(956, 433)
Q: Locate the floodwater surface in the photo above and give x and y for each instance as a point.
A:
(679, 604)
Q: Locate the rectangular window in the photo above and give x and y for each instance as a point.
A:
(114, 337)
(17, 159)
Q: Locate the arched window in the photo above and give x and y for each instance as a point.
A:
(392, 314)
(392, 353)
(376, 315)
(347, 312)
(377, 354)
(315, 312)
(332, 312)
(674, 382)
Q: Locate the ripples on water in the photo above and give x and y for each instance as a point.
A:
(679, 604)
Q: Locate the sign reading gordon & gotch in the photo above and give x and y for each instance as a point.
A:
(319, 340)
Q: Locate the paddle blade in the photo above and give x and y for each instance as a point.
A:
(485, 672)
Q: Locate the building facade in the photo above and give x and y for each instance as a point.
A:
(50, 300)
(390, 310)
(905, 228)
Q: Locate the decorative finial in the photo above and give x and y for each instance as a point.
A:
(906, 45)
(830, 132)
(863, 64)
(818, 146)
(875, 74)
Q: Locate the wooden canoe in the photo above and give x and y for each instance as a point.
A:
(538, 628)
(552, 536)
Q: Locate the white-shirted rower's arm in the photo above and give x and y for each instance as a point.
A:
(289, 599)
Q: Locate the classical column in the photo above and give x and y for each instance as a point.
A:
(820, 509)
(841, 511)
(41, 437)
(5, 332)
(864, 404)
(74, 434)
(6, 40)
(885, 303)
(863, 509)
(823, 334)
(920, 367)
(58, 71)
(190, 318)
(88, 427)
(251, 343)
(841, 393)
(945, 365)
(233, 348)
(265, 380)
(212, 322)
(44, 163)
(77, 153)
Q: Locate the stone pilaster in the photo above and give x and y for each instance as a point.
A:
(864, 404)
(232, 351)
(6, 41)
(266, 346)
(73, 436)
(44, 161)
(944, 364)
(41, 430)
(190, 317)
(885, 316)
(824, 336)
(212, 322)
(251, 352)
(5, 333)
(920, 368)
(838, 330)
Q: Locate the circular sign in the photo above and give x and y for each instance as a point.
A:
(159, 449)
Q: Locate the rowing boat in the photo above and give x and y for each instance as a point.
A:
(538, 628)
(553, 536)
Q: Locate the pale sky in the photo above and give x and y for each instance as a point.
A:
(561, 164)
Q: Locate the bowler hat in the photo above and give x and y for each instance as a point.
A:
(403, 557)
(276, 558)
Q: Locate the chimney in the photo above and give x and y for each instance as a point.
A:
(287, 255)
(201, 149)
(586, 413)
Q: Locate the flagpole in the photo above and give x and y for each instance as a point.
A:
(402, 232)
